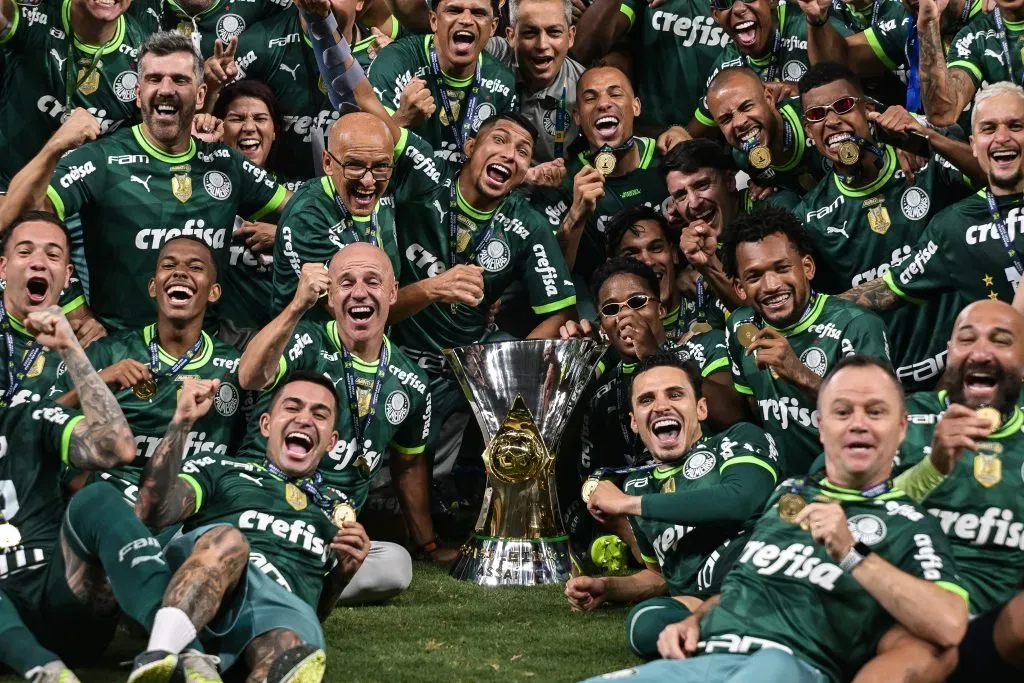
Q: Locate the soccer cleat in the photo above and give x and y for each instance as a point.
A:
(54, 672)
(301, 664)
(199, 667)
(610, 553)
(153, 666)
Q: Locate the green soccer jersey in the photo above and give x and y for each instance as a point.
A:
(981, 510)
(681, 551)
(278, 53)
(978, 51)
(644, 185)
(215, 434)
(860, 233)
(40, 59)
(961, 250)
(521, 247)
(605, 437)
(34, 442)
(289, 535)
(889, 39)
(132, 198)
(861, 19)
(786, 592)
(786, 59)
(828, 330)
(312, 230)
(223, 19)
(401, 419)
(409, 58)
(801, 167)
(44, 372)
(680, 43)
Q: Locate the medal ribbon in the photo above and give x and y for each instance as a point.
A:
(16, 372)
(468, 111)
(1001, 33)
(172, 372)
(1004, 235)
(702, 298)
(311, 487)
(362, 428)
(869, 492)
(71, 81)
(350, 224)
(621, 404)
(561, 122)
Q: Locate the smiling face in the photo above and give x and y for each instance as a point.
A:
(605, 107)
(541, 39)
(666, 412)
(774, 279)
(706, 195)
(185, 281)
(620, 288)
(169, 95)
(998, 140)
(461, 29)
(104, 10)
(36, 266)
(359, 143)
(835, 129)
(862, 424)
(361, 293)
(742, 108)
(499, 156)
(985, 364)
(646, 242)
(750, 25)
(249, 128)
(299, 427)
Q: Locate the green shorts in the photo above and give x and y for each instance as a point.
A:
(258, 605)
(55, 616)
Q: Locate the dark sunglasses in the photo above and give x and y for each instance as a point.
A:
(635, 302)
(844, 105)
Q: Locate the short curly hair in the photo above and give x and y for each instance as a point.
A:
(761, 222)
(629, 266)
(625, 221)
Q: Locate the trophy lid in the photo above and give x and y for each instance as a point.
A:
(548, 375)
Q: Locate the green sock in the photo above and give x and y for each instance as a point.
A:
(100, 528)
(19, 649)
(646, 622)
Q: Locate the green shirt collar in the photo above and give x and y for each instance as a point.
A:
(853, 495)
(790, 114)
(201, 359)
(468, 209)
(814, 308)
(331, 190)
(889, 167)
(105, 49)
(359, 364)
(766, 59)
(163, 156)
(428, 40)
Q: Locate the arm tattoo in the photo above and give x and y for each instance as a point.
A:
(942, 89)
(874, 295)
(104, 437)
(164, 498)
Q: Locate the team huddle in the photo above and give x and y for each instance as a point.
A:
(235, 239)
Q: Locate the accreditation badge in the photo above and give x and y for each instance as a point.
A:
(295, 496)
(181, 183)
(878, 216)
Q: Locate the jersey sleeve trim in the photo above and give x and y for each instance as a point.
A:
(876, 47)
(13, 26)
(750, 460)
(630, 14)
(648, 559)
(272, 205)
(556, 305)
(714, 366)
(58, 203)
(973, 71)
(73, 305)
(65, 438)
(955, 590)
(282, 368)
(407, 450)
(196, 487)
(403, 141)
(887, 279)
(742, 389)
(704, 118)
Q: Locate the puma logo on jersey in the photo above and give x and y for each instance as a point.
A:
(291, 70)
(797, 561)
(297, 532)
(60, 60)
(140, 181)
(830, 230)
(786, 410)
(995, 527)
(256, 480)
(995, 55)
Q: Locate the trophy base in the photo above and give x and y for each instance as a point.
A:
(490, 561)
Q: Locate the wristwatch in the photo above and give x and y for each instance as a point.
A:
(856, 555)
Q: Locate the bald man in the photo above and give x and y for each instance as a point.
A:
(340, 208)
(763, 132)
(385, 405)
(966, 446)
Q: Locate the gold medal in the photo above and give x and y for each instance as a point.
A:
(295, 496)
(745, 334)
(790, 506)
(343, 512)
(605, 161)
(991, 414)
(849, 152)
(144, 390)
(700, 326)
(589, 486)
(760, 157)
(10, 537)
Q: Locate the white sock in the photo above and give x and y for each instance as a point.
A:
(172, 630)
